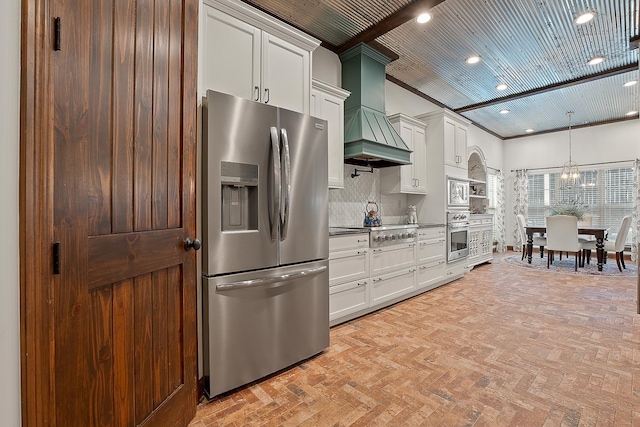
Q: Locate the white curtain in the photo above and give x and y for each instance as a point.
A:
(635, 222)
(520, 203)
(501, 232)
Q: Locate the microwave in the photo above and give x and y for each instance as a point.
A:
(457, 193)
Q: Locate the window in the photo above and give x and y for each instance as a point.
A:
(606, 193)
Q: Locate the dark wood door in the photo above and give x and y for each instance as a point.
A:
(122, 324)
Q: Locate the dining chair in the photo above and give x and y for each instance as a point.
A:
(562, 236)
(537, 241)
(616, 245)
(587, 221)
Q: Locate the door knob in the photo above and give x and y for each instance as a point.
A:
(194, 244)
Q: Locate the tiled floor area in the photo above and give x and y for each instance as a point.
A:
(504, 346)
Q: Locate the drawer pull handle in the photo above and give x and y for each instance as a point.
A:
(362, 241)
(362, 284)
(362, 252)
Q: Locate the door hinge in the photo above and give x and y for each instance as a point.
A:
(56, 257)
(57, 33)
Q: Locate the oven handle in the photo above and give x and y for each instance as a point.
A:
(244, 284)
(463, 225)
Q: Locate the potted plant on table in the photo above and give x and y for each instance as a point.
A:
(569, 207)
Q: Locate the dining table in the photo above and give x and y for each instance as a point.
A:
(597, 232)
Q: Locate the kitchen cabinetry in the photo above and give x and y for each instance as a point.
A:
(390, 258)
(455, 143)
(364, 279)
(446, 144)
(348, 274)
(247, 53)
(410, 179)
(389, 286)
(480, 239)
(327, 102)
(477, 196)
(431, 252)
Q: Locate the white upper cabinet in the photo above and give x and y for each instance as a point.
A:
(327, 102)
(286, 74)
(448, 136)
(455, 143)
(410, 179)
(247, 53)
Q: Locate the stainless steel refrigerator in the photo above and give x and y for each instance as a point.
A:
(266, 248)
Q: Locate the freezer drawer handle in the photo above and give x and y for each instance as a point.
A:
(270, 280)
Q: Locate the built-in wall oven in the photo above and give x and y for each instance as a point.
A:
(457, 235)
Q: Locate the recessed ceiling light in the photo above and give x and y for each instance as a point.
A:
(595, 60)
(423, 17)
(585, 17)
(630, 83)
(529, 130)
(501, 86)
(631, 113)
(505, 111)
(474, 59)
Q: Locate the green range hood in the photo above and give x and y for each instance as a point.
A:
(370, 140)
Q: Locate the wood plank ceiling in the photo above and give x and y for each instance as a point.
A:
(532, 46)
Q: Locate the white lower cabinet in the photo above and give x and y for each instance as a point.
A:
(429, 276)
(391, 258)
(431, 250)
(390, 286)
(348, 298)
(348, 265)
(363, 279)
(480, 239)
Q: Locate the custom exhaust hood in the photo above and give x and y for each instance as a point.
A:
(370, 139)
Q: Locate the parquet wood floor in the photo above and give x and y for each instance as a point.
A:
(504, 346)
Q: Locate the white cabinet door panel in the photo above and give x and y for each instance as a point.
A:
(392, 286)
(232, 66)
(348, 298)
(406, 172)
(350, 241)
(430, 276)
(420, 160)
(348, 265)
(286, 77)
(390, 258)
(450, 155)
(431, 250)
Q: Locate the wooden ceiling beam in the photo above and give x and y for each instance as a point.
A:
(392, 21)
(607, 73)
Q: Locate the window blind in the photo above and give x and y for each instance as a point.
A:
(606, 193)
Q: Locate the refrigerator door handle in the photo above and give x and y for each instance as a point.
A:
(286, 178)
(281, 280)
(274, 200)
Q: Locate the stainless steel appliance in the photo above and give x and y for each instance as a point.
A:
(457, 193)
(392, 234)
(457, 235)
(265, 259)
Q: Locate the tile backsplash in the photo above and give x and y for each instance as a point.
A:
(347, 206)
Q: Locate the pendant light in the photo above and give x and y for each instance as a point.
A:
(570, 177)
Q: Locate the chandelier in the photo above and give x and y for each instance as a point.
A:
(570, 176)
